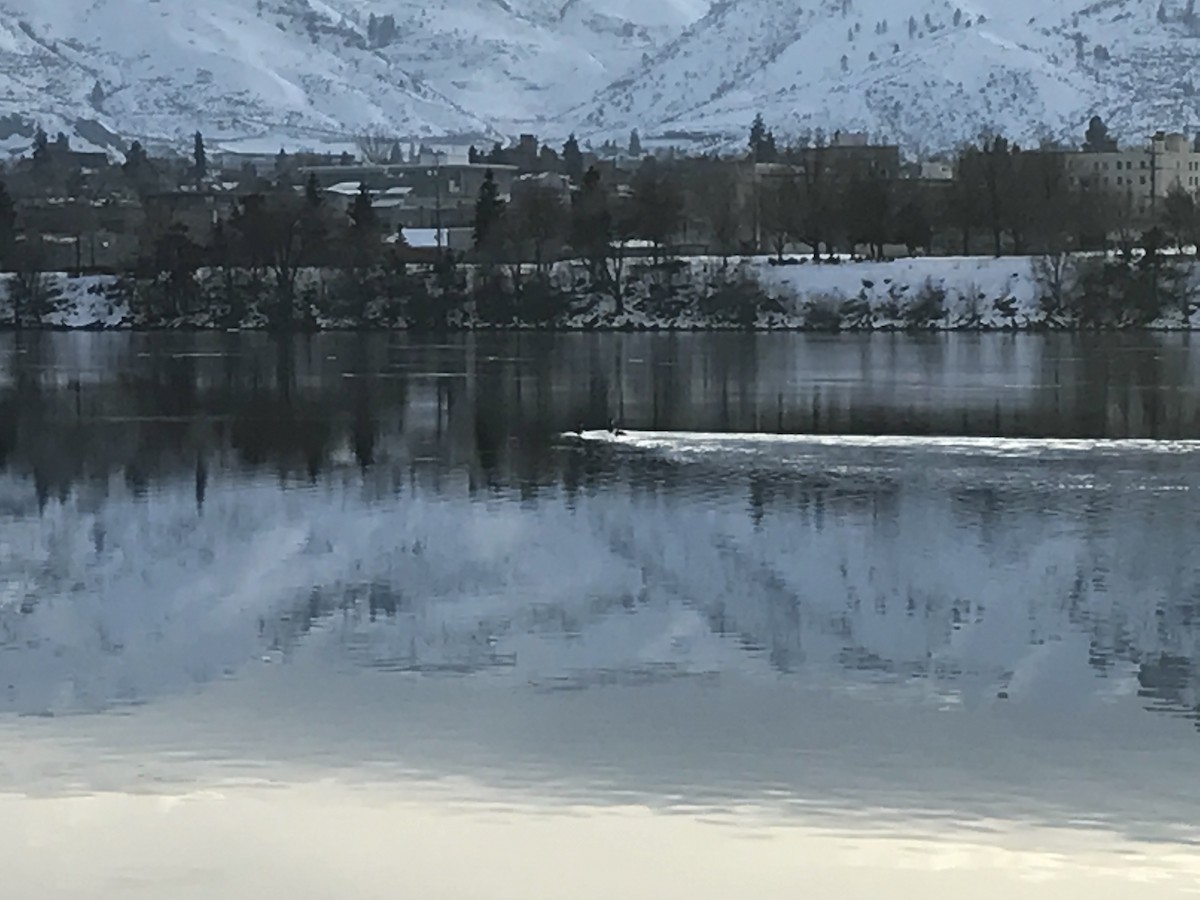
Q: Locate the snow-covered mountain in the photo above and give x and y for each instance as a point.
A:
(310, 69)
(927, 73)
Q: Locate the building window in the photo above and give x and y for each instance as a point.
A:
(1143, 179)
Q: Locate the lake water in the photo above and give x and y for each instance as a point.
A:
(847, 617)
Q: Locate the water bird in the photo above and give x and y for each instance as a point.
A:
(613, 429)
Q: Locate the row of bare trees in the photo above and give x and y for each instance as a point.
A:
(1001, 200)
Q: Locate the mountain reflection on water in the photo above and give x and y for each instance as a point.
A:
(740, 601)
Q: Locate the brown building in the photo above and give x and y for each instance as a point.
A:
(448, 179)
(198, 211)
(848, 158)
(414, 196)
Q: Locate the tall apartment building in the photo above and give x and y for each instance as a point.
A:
(1143, 175)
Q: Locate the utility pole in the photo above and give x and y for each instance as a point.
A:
(437, 209)
(1154, 175)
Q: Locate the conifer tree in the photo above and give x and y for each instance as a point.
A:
(762, 142)
(363, 217)
(41, 149)
(199, 159)
(1097, 139)
(8, 223)
(635, 143)
(758, 133)
(488, 210)
(572, 159)
(312, 191)
(135, 159)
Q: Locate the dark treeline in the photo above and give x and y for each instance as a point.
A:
(246, 249)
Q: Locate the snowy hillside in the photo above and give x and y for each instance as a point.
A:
(312, 70)
(928, 73)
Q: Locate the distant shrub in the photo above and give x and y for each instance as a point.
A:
(927, 309)
(1118, 292)
(970, 311)
(736, 298)
(1056, 276)
(540, 303)
(823, 313)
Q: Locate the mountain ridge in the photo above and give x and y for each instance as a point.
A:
(927, 74)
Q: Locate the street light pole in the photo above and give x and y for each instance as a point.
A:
(1153, 175)
(437, 210)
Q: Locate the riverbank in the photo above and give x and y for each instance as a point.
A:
(927, 294)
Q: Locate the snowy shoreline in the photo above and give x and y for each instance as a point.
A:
(699, 294)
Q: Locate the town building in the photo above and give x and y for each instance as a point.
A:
(559, 184)
(196, 211)
(1142, 175)
(935, 170)
(411, 195)
(849, 157)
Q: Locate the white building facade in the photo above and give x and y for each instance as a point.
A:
(1143, 175)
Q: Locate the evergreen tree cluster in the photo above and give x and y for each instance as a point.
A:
(381, 31)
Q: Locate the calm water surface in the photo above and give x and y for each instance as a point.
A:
(837, 617)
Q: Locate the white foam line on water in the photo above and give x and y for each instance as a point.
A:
(697, 440)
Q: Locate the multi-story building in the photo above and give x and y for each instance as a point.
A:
(451, 179)
(1142, 175)
(413, 195)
